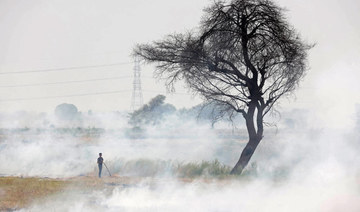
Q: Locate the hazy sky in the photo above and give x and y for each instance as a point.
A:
(48, 34)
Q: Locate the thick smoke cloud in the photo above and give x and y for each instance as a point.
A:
(297, 168)
(69, 152)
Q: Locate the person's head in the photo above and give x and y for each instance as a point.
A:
(100, 154)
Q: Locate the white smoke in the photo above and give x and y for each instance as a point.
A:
(69, 152)
(295, 169)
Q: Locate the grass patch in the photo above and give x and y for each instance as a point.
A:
(205, 169)
(158, 168)
(18, 192)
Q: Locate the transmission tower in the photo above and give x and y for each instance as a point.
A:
(137, 97)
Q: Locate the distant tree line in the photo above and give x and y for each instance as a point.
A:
(157, 110)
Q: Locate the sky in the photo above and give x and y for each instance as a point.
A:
(57, 34)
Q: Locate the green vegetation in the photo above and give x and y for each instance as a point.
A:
(151, 113)
(152, 168)
(205, 169)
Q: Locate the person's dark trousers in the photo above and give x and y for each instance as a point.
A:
(100, 168)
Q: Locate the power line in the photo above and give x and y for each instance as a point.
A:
(170, 93)
(73, 95)
(65, 68)
(64, 82)
(84, 94)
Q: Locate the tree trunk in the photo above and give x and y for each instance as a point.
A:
(255, 136)
(246, 155)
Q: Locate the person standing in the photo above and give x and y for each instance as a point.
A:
(100, 161)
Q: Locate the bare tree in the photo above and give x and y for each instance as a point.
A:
(244, 57)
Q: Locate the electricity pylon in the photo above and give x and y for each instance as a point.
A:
(137, 97)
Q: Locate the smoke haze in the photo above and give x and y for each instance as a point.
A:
(294, 169)
(309, 162)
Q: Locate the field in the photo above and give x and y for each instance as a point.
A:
(21, 192)
(17, 192)
(183, 171)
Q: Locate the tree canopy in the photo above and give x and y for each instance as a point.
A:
(245, 56)
(151, 113)
(66, 111)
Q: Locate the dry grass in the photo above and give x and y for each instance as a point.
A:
(16, 192)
